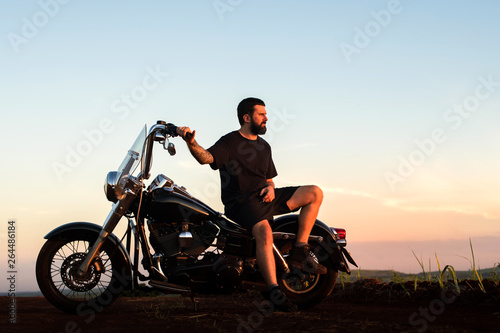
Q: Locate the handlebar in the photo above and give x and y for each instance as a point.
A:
(170, 128)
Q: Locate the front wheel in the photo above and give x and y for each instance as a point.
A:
(305, 289)
(56, 269)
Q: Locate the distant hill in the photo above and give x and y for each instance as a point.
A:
(389, 275)
(25, 294)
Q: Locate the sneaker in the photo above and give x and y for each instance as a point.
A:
(302, 258)
(278, 301)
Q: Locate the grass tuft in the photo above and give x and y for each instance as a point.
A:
(427, 275)
(475, 273)
(442, 275)
(400, 281)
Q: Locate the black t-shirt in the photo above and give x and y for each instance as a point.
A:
(244, 166)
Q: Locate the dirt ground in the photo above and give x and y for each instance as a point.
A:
(367, 306)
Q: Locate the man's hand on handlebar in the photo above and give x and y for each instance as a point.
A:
(199, 153)
(186, 134)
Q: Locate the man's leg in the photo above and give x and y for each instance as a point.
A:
(309, 198)
(265, 258)
(264, 251)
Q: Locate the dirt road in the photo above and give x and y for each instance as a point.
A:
(352, 308)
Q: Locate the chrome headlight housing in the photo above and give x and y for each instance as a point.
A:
(110, 186)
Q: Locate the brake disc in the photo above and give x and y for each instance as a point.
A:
(86, 282)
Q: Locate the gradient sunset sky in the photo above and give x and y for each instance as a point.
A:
(391, 107)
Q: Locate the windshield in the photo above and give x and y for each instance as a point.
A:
(133, 157)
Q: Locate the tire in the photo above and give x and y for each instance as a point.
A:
(304, 289)
(57, 262)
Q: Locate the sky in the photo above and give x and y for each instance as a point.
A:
(391, 107)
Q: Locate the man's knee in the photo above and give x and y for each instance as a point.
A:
(318, 193)
(314, 194)
(262, 232)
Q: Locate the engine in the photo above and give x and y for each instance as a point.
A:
(184, 259)
(171, 239)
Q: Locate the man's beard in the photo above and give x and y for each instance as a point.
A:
(258, 129)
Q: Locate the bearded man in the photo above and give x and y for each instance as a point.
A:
(246, 168)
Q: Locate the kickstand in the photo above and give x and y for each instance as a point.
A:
(196, 304)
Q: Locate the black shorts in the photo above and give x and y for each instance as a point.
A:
(251, 210)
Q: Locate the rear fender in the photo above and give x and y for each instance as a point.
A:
(69, 230)
(289, 223)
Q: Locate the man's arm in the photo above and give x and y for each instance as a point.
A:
(199, 153)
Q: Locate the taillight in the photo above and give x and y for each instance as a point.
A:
(340, 233)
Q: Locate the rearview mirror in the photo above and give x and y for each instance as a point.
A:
(170, 147)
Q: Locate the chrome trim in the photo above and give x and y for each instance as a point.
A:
(84, 266)
(158, 271)
(292, 236)
(110, 186)
(156, 127)
(117, 211)
(185, 239)
(342, 242)
(171, 149)
(159, 182)
(335, 234)
(280, 260)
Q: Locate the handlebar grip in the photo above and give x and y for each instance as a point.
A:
(171, 129)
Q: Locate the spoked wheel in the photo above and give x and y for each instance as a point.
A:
(306, 289)
(57, 274)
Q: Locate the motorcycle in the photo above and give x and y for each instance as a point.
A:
(192, 249)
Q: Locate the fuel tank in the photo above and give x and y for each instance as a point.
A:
(177, 205)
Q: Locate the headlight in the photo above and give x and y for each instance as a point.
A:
(110, 186)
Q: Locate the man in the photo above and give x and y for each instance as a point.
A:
(249, 195)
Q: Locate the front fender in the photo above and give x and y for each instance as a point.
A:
(289, 223)
(69, 230)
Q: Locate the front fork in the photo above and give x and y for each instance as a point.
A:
(117, 211)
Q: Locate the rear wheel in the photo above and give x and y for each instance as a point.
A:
(56, 273)
(305, 289)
